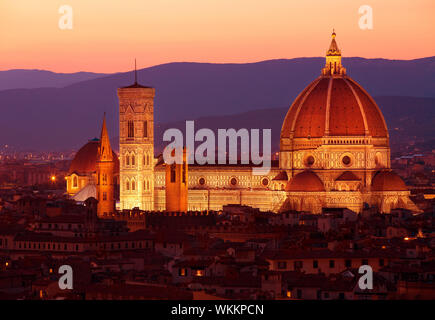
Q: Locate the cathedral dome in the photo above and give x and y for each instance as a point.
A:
(306, 181)
(334, 105)
(388, 181)
(85, 160)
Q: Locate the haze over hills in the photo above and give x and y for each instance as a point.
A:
(66, 117)
(29, 79)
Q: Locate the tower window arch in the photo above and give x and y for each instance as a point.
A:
(133, 185)
(133, 160)
(127, 160)
(145, 129)
(127, 185)
(130, 129)
(172, 172)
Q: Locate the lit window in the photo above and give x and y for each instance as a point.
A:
(199, 273)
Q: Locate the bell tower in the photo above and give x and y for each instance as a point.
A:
(136, 146)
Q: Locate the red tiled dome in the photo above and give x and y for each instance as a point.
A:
(85, 160)
(388, 181)
(305, 181)
(351, 110)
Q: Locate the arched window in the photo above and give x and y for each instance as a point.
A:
(133, 185)
(127, 160)
(133, 160)
(127, 185)
(148, 159)
(148, 185)
(145, 129)
(130, 127)
(144, 184)
(75, 182)
(172, 172)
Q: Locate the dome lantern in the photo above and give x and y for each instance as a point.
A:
(333, 64)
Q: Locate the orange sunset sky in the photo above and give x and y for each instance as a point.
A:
(108, 34)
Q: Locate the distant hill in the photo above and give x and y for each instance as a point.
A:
(29, 79)
(64, 118)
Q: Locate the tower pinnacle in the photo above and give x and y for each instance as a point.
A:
(105, 150)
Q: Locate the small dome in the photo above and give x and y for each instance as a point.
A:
(85, 160)
(347, 176)
(388, 181)
(305, 181)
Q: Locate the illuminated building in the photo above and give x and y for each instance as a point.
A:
(334, 152)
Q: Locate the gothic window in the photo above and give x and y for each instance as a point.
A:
(143, 160)
(133, 185)
(145, 129)
(173, 173)
(104, 178)
(104, 195)
(148, 159)
(127, 185)
(130, 129)
(184, 172)
(127, 160)
(144, 184)
(75, 182)
(148, 185)
(133, 160)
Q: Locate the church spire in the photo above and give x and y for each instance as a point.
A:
(105, 150)
(333, 59)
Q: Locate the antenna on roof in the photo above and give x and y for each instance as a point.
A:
(135, 72)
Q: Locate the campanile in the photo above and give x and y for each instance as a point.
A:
(136, 146)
